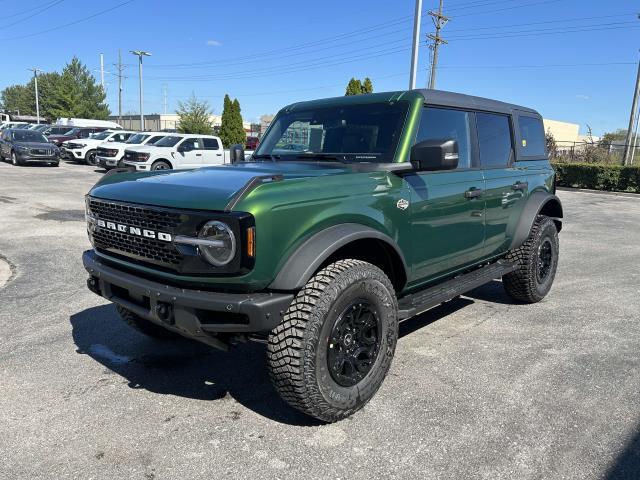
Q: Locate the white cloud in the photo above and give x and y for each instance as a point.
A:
(213, 43)
(582, 97)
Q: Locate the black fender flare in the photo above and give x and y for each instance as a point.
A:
(536, 203)
(309, 256)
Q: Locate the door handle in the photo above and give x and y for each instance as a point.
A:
(473, 193)
(520, 186)
(198, 154)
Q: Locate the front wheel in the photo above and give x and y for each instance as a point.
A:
(14, 159)
(90, 157)
(537, 261)
(334, 347)
(160, 165)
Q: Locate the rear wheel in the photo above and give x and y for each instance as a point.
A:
(145, 326)
(161, 165)
(334, 347)
(537, 261)
(90, 157)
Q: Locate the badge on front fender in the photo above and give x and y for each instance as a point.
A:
(402, 204)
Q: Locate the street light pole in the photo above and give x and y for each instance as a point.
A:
(35, 79)
(140, 54)
(417, 17)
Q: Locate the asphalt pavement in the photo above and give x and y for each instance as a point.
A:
(480, 388)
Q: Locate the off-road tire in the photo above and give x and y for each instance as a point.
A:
(524, 283)
(90, 158)
(145, 326)
(298, 348)
(161, 165)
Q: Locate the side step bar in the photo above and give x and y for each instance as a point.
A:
(416, 303)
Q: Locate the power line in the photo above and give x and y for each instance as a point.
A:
(40, 9)
(70, 24)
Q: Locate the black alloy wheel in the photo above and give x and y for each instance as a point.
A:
(354, 343)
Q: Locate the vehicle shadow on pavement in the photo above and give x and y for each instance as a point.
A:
(182, 367)
(492, 292)
(627, 465)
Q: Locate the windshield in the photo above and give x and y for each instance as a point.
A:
(168, 142)
(101, 135)
(40, 128)
(353, 133)
(28, 136)
(137, 139)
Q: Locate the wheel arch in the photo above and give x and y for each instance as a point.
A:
(347, 240)
(539, 203)
(162, 160)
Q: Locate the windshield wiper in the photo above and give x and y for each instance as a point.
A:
(322, 156)
(266, 155)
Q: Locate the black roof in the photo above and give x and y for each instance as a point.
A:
(452, 99)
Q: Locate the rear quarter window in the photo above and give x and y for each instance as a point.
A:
(532, 142)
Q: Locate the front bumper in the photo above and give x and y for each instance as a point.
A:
(138, 165)
(195, 314)
(28, 158)
(107, 162)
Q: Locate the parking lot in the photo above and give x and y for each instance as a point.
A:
(479, 388)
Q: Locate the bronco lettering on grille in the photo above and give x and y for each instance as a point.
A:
(140, 232)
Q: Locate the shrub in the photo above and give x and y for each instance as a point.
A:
(598, 176)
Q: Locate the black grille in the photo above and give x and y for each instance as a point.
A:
(106, 152)
(41, 151)
(143, 248)
(131, 156)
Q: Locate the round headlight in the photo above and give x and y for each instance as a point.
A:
(223, 243)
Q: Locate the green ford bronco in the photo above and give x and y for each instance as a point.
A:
(353, 214)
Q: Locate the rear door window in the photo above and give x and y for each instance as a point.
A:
(210, 144)
(445, 124)
(532, 139)
(494, 139)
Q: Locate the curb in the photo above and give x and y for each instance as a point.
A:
(601, 192)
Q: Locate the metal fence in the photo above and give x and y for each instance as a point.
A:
(593, 152)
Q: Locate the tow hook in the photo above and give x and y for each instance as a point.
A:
(164, 312)
(93, 285)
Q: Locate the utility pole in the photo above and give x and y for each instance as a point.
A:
(417, 17)
(120, 68)
(635, 138)
(164, 94)
(632, 117)
(439, 21)
(140, 54)
(102, 70)
(35, 79)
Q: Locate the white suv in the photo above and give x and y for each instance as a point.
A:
(111, 154)
(84, 149)
(176, 151)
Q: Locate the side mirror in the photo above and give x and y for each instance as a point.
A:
(236, 153)
(432, 155)
(111, 140)
(185, 147)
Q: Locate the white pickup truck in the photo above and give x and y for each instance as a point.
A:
(177, 151)
(84, 149)
(111, 154)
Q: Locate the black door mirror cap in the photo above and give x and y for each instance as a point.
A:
(433, 155)
(236, 153)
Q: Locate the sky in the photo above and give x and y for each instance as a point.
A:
(572, 60)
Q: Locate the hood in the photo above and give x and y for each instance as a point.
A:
(34, 145)
(61, 138)
(208, 188)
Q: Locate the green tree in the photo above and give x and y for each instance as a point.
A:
(354, 87)
(76, 94)
(15, 98)
(194, 117)
(552, 147)
(367, 86)
(357, 87)
(231, 128)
